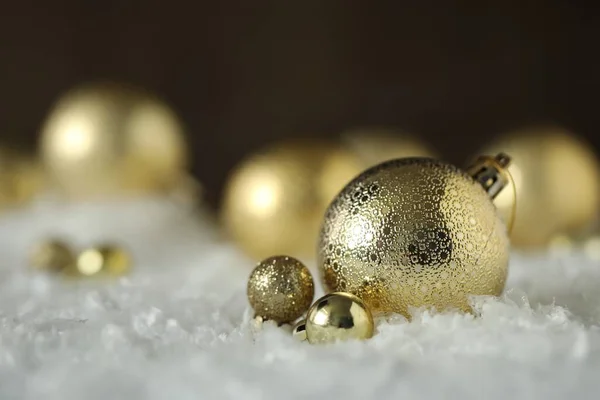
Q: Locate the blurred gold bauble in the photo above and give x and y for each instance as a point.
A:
(101, 261)
(274, 201)
(414, 232)
(52, 256)
(107, 140)
(280, 289)
(376, 145)
(21, 179)
(557, 178)
(338, 317)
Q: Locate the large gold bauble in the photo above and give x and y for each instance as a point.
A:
(338, 317)
(281, 289)
(375, 145)
(275, 200)
(414, 232)
(557, 178)
(106, 140)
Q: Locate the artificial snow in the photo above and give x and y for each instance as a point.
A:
(179, 327)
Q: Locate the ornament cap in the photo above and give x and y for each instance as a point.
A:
(491, 173)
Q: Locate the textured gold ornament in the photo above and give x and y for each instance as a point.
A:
(557, 181)
(338, 317)
(101, 261)
(373, 146)
(415, 232)
(106, 140)
(52, 256)
(275, 200)
(281, 289)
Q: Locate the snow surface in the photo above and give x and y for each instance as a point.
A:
(179, 327)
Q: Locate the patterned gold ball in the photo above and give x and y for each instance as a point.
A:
(414, 232)
(101, 261)
(275, 200)
(103, 140)
(338, 317)
(52, 256)
(557, 178)
(281, 289)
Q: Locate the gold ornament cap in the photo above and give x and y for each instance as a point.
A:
(338, 317)
(491, 173)
(281, 289)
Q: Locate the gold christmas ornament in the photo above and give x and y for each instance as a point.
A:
(557, 181)
(375, 145)
(52, 256)
(338, 317)
(101, 261)
(21, 179)
(299, 331)
(417, 232)
(106, 140)
(281, 289)
(274, 201)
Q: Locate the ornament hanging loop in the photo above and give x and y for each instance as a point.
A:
(491, 173)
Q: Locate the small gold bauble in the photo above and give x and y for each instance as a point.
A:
(338, 317)
(281, 289)
(52, 256)
(414, 232)
(375, 145)
(101, 261)
(274, 200)
(106, 140)
(557, 179)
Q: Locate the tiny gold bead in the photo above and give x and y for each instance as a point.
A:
(281, 289)
(338, 317)
(51, 256)
(109, 261)
(299, 331)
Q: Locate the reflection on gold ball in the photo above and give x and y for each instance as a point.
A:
(338, 317)
(106, 140)
(414, 232)
(280, 289)
(557, 178)
(52, 256)
(376, 145)
(275, 200)
(101, 261)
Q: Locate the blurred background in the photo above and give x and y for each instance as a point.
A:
(242, 74)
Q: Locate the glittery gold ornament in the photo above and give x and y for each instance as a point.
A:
(557, 181)
(281, 289)
(338, 317)
(107, 140)
(52, 256)
(375, 145)
(417, 231)
(274, 201)
(101, 261)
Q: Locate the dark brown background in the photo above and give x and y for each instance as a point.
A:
(242, 73)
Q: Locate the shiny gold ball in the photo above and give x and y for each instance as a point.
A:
(52, 256)
(281, 289)
(274, 201)
(557, 178)
(375, 145)
(104, 140)
(338, 317)
(101, 261)
(414, 232)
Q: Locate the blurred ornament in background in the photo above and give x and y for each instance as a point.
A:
(101, 261)
(373, 146)
(106, 140)
(52, 256)
(281, 289)
(274, 200)
(557, 179)
(337, 317)
(417, 232)
(21, 179)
